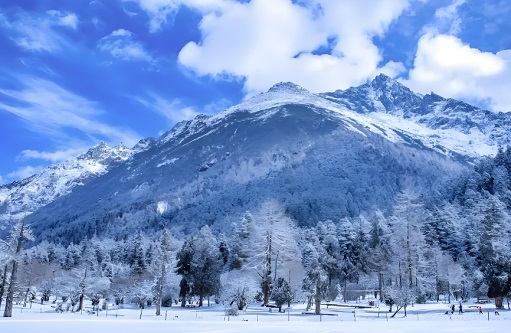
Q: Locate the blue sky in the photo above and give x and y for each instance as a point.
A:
(74, 73)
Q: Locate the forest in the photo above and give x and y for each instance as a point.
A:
(450, 244)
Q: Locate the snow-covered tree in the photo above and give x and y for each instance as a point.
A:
(316, 281)
(200, 264)
(380, 247)
(264, 246)
(164, 255)
(411, 267)
(241, 241)
(494, 256)
(281, 293)
(19, 233)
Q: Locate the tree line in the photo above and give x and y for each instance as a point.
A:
(452, 245)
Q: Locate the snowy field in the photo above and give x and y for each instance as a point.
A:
(421, 318)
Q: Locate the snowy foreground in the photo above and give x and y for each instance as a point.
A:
(421, 318)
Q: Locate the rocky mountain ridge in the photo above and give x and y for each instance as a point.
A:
(21, 198)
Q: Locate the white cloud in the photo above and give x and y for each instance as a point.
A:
(163, 11)
(64, 19)
(173, 110)
(52, 110)
(266, 42)
(24, 172)
(36, 32)
(53, 156)
(159, 11)
(448, 18)
(446, 65)
(121, 44)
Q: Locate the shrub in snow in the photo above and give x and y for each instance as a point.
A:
(231, 310)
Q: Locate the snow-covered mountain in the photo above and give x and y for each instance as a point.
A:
(21, 198)
(440, 123)
(324, 156)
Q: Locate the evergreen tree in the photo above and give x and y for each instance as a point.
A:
(494, 257)
(138, 257)
(348, 255)
(200, 264)
(241, 241)
(183, 267)
(315, 282)
(281, 293)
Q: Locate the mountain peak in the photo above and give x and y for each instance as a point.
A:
(289, 87)
(382, 78)
(382, 81)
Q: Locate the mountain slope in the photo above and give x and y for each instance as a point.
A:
(321, 160)
(20, 199)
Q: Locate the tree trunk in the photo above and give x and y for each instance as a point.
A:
(344, 294)
(160, 290)
(309, 303)
(201, 298)
(449, 292)
(380, 285)
(183, 285)
(397, 310)
(26, 297)
(498, 302)
(158, 306)
(80, 306)
(267, 273)
(2, 287)
(317, 299)
(9, 301)
(10, 293)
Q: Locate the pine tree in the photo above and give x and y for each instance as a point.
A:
(183, 267)
(281, 293)
(200, 265)
(138, 257)
(241, 241)
(348, 254)
(494, 258)
(315, 282)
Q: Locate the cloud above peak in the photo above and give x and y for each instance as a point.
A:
(266, 44)
(447, 65)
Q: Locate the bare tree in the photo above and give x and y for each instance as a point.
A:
(19, 233)
(3, 249)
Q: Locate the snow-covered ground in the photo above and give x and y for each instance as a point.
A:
(421, 318)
